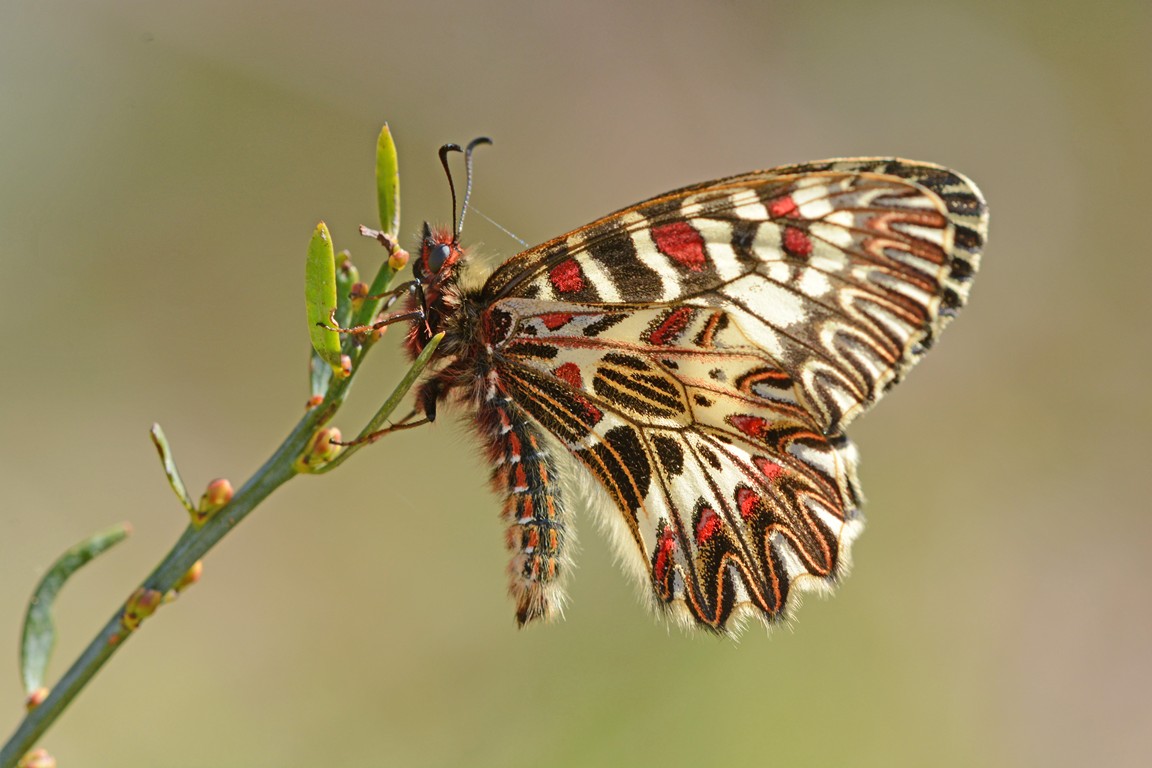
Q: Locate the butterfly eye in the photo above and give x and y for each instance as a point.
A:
(437, 255)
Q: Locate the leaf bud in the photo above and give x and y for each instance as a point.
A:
(142, 604)
(322, 448)
(36, 698)
(218, 493)
(37, 758)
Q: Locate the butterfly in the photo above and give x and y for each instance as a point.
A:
(696, 358)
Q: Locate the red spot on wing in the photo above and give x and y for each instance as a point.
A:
(797, 242)
(771, 469)
(578, 405)
(783, 206)
(566, 277)
(554, 320)
(662, 563)
(707, 525)
(681, 242)
(672, 326)
(569, 373)
(753, 426)
(748, 501)
(592, 414)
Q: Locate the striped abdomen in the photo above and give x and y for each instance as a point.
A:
(525, 474)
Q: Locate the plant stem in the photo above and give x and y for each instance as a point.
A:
(194, 543)
(190, 547)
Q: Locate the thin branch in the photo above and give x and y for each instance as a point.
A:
(284, 464)
(191, 546)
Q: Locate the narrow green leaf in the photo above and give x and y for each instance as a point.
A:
(170, 470)
(387, 182)
(319, 372)
(405, 384)
(39, 634)
(320, 295)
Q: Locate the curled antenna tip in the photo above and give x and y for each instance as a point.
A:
(468, 178)
(444, 150)
(458, 223)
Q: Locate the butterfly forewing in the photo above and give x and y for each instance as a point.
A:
(842, 271)
(700, 353)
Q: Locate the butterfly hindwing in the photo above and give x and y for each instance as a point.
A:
(725, 484)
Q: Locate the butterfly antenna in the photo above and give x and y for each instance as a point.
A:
(468, 177)
(499, 226)
(444, 150)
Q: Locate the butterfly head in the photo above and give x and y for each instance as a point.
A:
(440, 255)
(440, 249)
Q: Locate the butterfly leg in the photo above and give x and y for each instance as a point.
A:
(408, 286)
(386, 320)
(404, 423)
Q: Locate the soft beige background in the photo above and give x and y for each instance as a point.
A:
(161, 168)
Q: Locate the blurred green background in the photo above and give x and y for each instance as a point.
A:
(161, 168)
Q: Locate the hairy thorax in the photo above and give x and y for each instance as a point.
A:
(465, 354)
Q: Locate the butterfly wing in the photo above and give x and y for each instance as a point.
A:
(843, 271)
(701, 352)
(723, 481)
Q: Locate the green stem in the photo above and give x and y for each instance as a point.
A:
(190, 547)
(195, 542)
